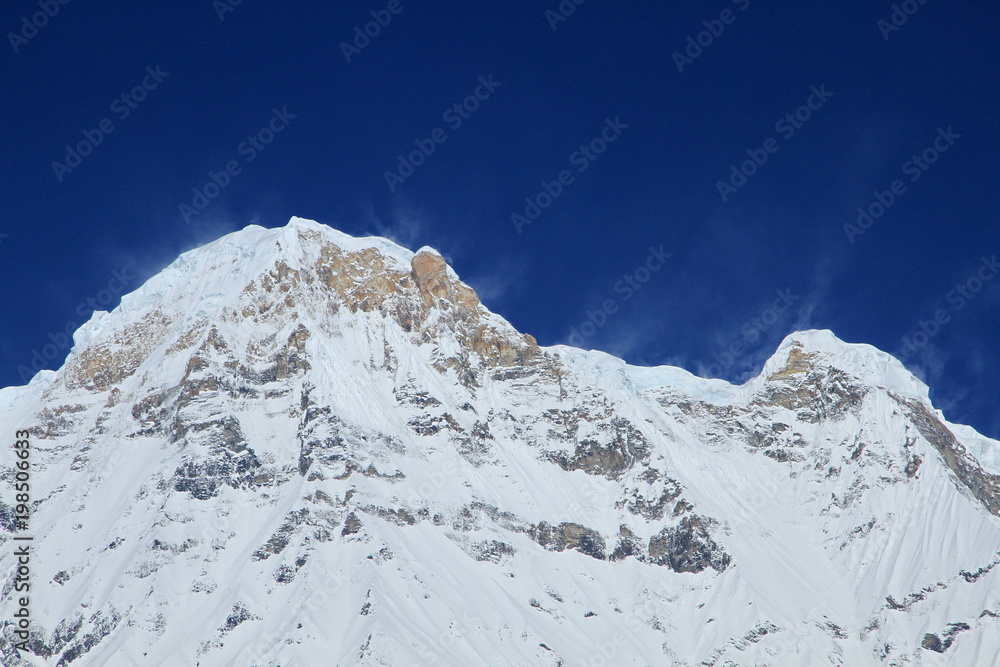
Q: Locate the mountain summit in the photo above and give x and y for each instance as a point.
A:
(297, 447)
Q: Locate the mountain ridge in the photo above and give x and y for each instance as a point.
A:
(293, 411)
(260, 238)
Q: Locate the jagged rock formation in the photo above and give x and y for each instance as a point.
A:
(293, 447)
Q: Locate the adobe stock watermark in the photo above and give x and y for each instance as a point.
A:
(223, 7)
(321, 592)
(915, 167)
(900, 14)
(455, 116)
(122, 106)
(957, 299)
(61, 341)
(37, 21)
(249, 149)
(656, 601)
(562, 12)
(362, 38)
(581, 158)
(626, 288)
(713, 30)
(786, 126)
(440, 646)
(752, 330)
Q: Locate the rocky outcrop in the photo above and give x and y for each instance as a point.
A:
(688, 547)
(983, 485)
(431, 275)
(625, 447)
(569, 536)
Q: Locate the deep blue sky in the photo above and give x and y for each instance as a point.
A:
(655, 185)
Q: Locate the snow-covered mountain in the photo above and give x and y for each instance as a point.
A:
(295, 447)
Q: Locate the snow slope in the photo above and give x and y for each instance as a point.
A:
(295, 447)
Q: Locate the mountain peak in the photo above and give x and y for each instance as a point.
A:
(329, 441)
(263, 283)
(436, 279)
(804, 350)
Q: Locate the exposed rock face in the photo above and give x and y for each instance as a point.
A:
(431, 274)
(625, 448)
(983, 485)
(293, 443)
(688, 547)
(569, 536)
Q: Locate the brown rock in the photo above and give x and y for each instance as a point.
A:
(431, 274)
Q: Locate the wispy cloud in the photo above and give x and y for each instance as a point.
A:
(405, 227)
(507, 276)
(930, 363)
(631, 336)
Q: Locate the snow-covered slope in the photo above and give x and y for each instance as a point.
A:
(295, 447)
